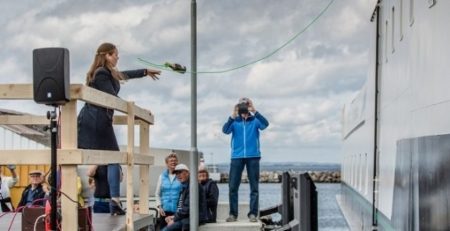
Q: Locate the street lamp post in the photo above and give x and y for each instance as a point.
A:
(193, 157)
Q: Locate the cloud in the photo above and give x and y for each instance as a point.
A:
(300, 89)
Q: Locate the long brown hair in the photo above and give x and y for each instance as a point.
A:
(100, 61)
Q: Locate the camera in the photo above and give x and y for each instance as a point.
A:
(242, 108)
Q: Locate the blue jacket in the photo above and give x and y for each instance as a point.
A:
(245, 135)
(170, 192)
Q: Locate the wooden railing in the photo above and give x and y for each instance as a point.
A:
(69, 156)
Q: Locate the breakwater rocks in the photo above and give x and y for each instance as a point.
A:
(275, 177)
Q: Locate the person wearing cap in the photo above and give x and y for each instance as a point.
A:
(168, 190)
(244, 125)
(7, 182)
(180, 220)
(34, 193)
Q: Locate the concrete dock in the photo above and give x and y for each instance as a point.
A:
(242, 224)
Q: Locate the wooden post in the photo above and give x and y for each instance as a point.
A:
(144, 169)
(69, 131)
(130, 165)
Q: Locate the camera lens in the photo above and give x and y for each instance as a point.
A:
(242, 108)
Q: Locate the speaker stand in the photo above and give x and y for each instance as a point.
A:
(51, 115)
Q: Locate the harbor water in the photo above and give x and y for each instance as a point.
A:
(330, 216)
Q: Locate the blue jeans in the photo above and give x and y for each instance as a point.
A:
(236, 168)
(101, 207)
(114, 174)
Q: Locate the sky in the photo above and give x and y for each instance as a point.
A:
(301, 89)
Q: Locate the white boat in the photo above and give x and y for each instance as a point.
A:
(396, 131)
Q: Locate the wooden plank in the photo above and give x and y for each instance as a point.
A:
(144, 169)
(99, 157)
(65, 157)
(77, 92)
(144, 114)
(123, 120)
(99, 98)
(140, 159)
(103, 99)
(120, 120)
(69, 172)
(24, 119)
(89, 157)
(16, 91)
(69, 187)
(130, 166)
(21, 157)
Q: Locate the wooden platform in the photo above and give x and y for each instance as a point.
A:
(101, 222)
(69, 156)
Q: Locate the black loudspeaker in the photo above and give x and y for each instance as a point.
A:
(51, 76)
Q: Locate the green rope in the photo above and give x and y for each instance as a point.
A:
(163, 67)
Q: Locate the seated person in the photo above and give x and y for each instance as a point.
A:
(167, 190)
(7, 182)
(34, 193)
(211, 193)
(180, 220)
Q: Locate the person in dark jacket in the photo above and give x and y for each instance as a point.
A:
(102, 198)
(244, 125)
(34, 193)
(180, 220)
(211, 193)
(95, 129)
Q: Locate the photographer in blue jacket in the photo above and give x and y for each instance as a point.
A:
(244, 125)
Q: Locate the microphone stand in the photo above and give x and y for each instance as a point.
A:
(51, 115)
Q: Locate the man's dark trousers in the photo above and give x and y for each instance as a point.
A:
(236, 169)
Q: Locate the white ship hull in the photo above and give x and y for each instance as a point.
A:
(396, 131)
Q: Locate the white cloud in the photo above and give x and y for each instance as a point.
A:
(300, 89)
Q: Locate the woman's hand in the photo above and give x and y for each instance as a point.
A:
(153, 73)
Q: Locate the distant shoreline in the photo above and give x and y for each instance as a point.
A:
(285, 166)
(275, 177)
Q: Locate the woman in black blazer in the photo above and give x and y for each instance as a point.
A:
(95, 129)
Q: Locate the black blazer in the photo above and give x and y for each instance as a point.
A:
(95, 129)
